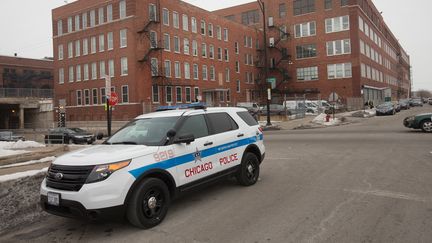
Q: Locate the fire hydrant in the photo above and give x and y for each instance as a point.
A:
(328, 118)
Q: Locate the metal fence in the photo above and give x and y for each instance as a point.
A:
(23, 93)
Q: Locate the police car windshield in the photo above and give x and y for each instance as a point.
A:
(149, 131)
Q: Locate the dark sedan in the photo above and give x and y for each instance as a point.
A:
(69, 136)
(387, 108)
(404, 104)
(416, 102)
(422, 121)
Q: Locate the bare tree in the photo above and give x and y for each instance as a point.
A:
(423, 93)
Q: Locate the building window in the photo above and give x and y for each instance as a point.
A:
(194, 25)
(153, 40)
(211, 52)
(306, 51)
(101, 15)
(179, 97)
(187, 70)
(168, 95)
(154, 67)
(111, 68)
(363, 70)
(167, 67)
(228, 98)
(212, 73)
(219, 32)
(79, 98)
(60, 27)
(70, 50)
(219, 54)
(337, 24)
(227, 75)
(196, 94)
(95, 96)
(303, 6)
(152, 12)
(344, 2)
(282, 10)
(77, 48)
(305, 29)
(195, 72)
(109, 13)
(210, 30)
(194, 48)
(77, 22)
(102, 72)
(176, 44)
(101, 43)
(94, 70)
(338, 47)
(225, 36)
(122, 9)
(70, 24)
(336, 71)
(124, 66)
(125, 94)
(176, 21)
(167, 42)
(328, 4)
(188, 95)
(110, 41)
(177, 70)
(307, 73)
(250, 17)
(236, 48)
(204, 50)
(237, 67)
(185, 22)
(93, 44)
(203, 27)
(238, 86)
(186, 46)
(86, 97)
(226, 55)
(78, 73)
(84, 20)
(85, 47)
(92, 18)
(60, 52)
(204, 72)
(86, 72)
(71, 74)
(165, 17)
(61, 76)
(155, 93)
(123, 38)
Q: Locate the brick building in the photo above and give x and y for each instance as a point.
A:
(333, 46)
(156, 52)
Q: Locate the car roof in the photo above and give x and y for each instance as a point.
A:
(186, 112)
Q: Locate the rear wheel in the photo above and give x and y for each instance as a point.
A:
(249, 170)
(149, 203)
(426, 126)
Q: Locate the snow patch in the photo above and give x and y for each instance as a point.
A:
(19, 175)
(20, 145)
(5, 153)
(321, 119)
(31, 162)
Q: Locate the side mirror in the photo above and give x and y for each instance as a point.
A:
(99, 136)
(171, 133)
(187, 139)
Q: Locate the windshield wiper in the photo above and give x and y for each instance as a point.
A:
(125, 142)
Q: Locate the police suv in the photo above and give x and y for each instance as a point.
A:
(151, 160)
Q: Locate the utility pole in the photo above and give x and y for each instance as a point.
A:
(268, 90)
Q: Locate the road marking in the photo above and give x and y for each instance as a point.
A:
(394, 195)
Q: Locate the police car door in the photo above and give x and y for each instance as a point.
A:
(192, 165)
(225, 136)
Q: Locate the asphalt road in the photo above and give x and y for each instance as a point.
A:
(366, 182)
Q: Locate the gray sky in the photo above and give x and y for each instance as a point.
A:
(25, 27)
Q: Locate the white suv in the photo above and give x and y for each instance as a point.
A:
(151, 160)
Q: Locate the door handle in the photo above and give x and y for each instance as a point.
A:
(240, 135)
(208, 144)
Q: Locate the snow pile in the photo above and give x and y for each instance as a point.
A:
(365, 114)
(5, 153)
(20, 145)
(31, 162)
(321, 119)
(20, 175)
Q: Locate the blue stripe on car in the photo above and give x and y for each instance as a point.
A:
(183, 159)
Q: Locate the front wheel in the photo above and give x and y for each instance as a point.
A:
(426, 126)
(249, 170)
(149, 203)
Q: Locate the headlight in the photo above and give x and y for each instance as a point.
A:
(101, 172)
(410, 119)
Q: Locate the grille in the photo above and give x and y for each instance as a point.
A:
(73, 179)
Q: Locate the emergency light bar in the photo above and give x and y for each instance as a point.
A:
(195, 106)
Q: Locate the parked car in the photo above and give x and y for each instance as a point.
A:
(416, 102)
(397, 106)
(8, 136)
(276, 109)
(421, 121)
(250, 106)
(307, 106)
(387, 108)
(404, 104)
(430, 101)
(69, 136)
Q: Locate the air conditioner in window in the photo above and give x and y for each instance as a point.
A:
(271, 42)
(270, 22)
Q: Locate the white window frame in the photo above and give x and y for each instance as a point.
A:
(86, 72)
(194, 25)
(185, 22)
(127, 94)
(124, 71)
(336, 24)
(165, 17)
(102, 70)
(307, 74)
(195, 71)
(111, 68)
(85, 47)
(204, 72)
(60, 54)
(167, 68)
(333, 45)
(339, 70)
(177, 69)
(61, 75)
(101, 43)
(122, 9)
(305, 29)
(123, 38)
(93, 45)
(110, 41)
(187, 70)
(167, 44)
(94, 71)
(79, 98)
(109, 13)
(77, 48)
(78, 73)
(186, 46)
(176, 44)
(176, 20)
(70, 50)
(101, 16)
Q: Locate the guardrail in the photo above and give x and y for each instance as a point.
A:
(23, 93)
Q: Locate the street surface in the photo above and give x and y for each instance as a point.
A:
(370, 181)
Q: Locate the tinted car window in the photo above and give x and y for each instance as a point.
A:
(248, 118)
(195, 125)
(222, 122)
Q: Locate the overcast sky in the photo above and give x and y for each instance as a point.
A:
(25, 28)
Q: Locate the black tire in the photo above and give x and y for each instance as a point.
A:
(70, 141)
(426, 126)
(139, 212)
(248, 173)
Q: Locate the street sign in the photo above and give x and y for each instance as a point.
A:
(113, 100)
(108, 86)
(272, 81)
(269, 94)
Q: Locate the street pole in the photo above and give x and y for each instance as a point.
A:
(262, 6)
(108, 116)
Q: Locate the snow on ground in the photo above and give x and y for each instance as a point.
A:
(4, 152)
(19, 175)
(31, 162)
(321, 119)
(20, 145)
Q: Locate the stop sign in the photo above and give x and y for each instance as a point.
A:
(113, 100)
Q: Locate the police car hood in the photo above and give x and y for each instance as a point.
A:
(104, 154)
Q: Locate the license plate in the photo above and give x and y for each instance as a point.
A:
(53, 198)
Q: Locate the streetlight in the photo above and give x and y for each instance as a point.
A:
(262, 6)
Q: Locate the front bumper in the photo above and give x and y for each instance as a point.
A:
(409, 123)
(84, 139)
